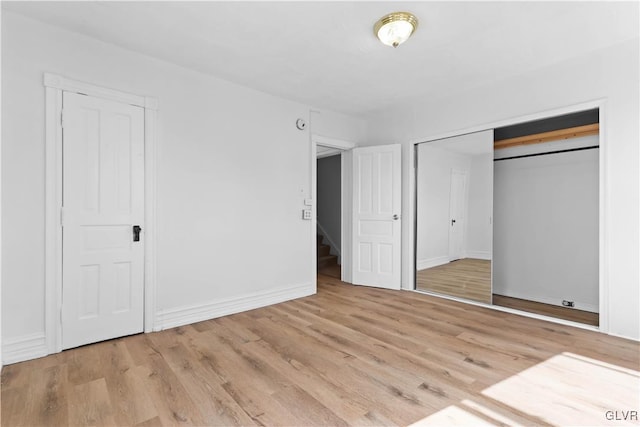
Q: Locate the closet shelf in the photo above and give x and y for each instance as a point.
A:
(574, 132)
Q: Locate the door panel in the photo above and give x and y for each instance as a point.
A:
(376, 217)
(103, 197)
(457, 208)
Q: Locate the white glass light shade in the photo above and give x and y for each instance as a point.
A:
(395, 28)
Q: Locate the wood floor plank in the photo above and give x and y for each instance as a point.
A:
(19, 374)
(84, 363)
(153, 422)
(373, 419)
(349, 355)
(374, 352)
(321, 357)
(344, 403)
(173, 404)
(464, 278)
(11, 406)
(89, 404)
(50, 399)
(129, 399)
(205, 390)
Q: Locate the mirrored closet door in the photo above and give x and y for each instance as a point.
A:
(510, 217)
(454, 208)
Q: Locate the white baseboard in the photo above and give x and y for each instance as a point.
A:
(593, 308)
(185, 315)
(486, 255)
(423, 264)
(23, 348)
(627, 337)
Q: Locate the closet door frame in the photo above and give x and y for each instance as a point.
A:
(409, 264)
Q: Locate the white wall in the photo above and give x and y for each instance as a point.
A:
(329, 199)
(337, 125)
(434, 192)
(610, 74)
(546, 228)
(479, 234)
(435, 162)
(1, 359)
(232, 174)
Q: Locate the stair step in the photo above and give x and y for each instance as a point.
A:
(327, 260)
(332, 271)
(323, 250)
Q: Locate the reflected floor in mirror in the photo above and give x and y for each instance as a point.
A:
(570, 314)
(467, 278)
(470, 278)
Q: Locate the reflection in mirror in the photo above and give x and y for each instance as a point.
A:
(454, 208)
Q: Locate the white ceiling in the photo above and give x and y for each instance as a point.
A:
(325, 54)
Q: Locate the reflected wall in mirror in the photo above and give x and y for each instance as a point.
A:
(454, 208)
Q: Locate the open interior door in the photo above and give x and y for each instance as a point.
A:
(376, 216)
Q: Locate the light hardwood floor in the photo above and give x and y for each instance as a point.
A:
(467, 278)
(471, 279)
(349, 355)
(571, 314)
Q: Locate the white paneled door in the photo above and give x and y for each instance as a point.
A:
(457, 214)
(376, 216)
(102, 220)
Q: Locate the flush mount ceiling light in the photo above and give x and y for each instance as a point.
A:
(395, 28)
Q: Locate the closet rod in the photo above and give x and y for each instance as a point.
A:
(549, 152)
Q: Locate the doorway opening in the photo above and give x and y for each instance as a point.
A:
(334, 173)
(329, 212)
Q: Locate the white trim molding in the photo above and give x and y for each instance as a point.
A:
(485, 255)
(55, 86)
(24, 348)
(185, 315)
(423, 264)
(339, 144)
(55, 81)
(150, 191)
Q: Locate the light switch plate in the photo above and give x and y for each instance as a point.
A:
(306, 214)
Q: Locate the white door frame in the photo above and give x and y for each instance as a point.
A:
(345, 255)
(55, 85)
(604, 208)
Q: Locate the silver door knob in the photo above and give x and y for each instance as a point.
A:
(396, 217)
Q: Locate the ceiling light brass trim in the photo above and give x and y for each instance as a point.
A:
(396, 16)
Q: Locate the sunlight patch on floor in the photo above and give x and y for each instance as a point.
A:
(569, 389)
(452, 416)
(565, 390)
(481, 409)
